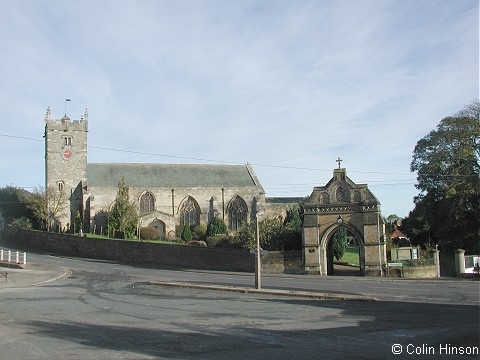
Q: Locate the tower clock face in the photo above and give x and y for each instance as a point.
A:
(67, 152)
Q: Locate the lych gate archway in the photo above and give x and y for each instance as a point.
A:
(342, 203)
(327, 258)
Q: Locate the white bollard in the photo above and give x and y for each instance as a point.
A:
(24, 258)
(9, 255)
(1, 255)
(17, 258)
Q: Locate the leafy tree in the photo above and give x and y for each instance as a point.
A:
(390, 222)
(78, 223)
(123, 216)
(339, 243)
(186, 233)
(245, 236)
(216, 227)
(271, 230)
(57, 202)
(37, 203)
(13, 203)
(45, 205)
(447, 162)
(274, 235)
(293, 219)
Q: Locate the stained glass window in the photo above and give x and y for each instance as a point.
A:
(189, 214)
(147, 203)
(237, 213)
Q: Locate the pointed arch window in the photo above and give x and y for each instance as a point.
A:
(147, 203)
(237, 213)
(190, 213)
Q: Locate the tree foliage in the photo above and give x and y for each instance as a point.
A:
(37, 203)
(13, 203)
(339, 243)
(186, 233)
(123, 217)
(216, 227)
(22, 223)
(274, 235)
(56, 201)
(77, 222)
(16, 203)
(447, 163)
(293, 219)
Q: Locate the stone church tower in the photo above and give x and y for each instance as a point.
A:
(65, 166)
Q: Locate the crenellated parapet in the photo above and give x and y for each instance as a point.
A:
(65, 123)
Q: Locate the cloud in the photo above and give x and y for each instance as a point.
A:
(295, 84)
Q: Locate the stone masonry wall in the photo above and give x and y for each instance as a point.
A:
(146, 252)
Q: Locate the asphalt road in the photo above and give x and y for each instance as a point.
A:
(106, 310)
(442, 291)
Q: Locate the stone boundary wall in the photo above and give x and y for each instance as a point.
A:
(427, 271)
(154, 253)
(283, 262)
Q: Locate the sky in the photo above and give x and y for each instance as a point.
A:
(287, 86)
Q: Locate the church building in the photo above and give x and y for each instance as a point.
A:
(166, 196)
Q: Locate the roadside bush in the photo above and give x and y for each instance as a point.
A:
(149, 233)
(22, 223)
(178, 231)
(214, 241)
(230, 242)
(274, 236)
(199, 232)
(186, 233)
(223, 241)
(216, 227)
(245, 236)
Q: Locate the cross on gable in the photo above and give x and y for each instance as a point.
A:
(339, 161)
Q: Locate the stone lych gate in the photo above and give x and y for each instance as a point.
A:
(342, 203)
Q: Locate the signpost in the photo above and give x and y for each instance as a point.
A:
(258, 265)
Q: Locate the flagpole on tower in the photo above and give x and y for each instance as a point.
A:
(66, 100)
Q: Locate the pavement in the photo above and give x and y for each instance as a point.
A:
(30, 275)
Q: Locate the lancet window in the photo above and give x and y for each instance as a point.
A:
(147, 203)
(237, 213)
(189, 213)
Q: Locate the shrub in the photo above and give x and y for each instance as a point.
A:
(274, 236)
(199, 232)
(186, 233)
(216, 227)
(339, 243)
(22, 223)
(149, 233)
(77, 223)
(214, 241)
(178, 231)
